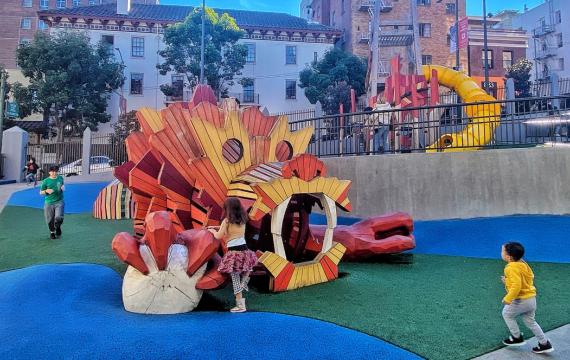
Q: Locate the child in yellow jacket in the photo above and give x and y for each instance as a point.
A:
(520, 299)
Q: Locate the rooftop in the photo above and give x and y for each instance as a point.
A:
(176, 13)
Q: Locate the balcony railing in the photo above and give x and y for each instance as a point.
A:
(542, 30)
(185, 96)
(546, 53)
(367, 5)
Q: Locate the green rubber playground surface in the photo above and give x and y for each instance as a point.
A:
(440, 307)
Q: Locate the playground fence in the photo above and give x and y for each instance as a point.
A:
(520, 123)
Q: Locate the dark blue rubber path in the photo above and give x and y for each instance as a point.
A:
(75, 311)
(79, 197)
(545, 237)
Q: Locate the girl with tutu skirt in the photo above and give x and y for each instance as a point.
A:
(238, 260)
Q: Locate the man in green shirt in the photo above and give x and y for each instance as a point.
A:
(52, 188)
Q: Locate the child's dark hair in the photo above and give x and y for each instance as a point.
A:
(514, 250)
(54, 168)
(234, 212)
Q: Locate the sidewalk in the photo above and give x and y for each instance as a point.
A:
(8, 189)
(560, 339)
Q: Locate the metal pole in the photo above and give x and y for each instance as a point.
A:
(485, 47)
(203, 36)
(457, 65)
(2, 95)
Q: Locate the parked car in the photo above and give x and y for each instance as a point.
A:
(97, 164)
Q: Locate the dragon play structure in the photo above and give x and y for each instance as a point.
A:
(412, 91)
(187, 159)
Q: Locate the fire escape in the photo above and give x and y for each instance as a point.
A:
(545, 44)
(394, 36)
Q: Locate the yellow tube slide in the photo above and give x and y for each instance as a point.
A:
(483, 118)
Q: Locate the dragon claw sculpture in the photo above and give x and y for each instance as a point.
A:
(188, 159)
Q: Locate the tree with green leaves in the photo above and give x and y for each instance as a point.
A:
(224, 58)
(520, 73)
(70, 81)
(330, 79)
(126, 124)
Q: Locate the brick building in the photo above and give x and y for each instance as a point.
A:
(19, 22)
(354, 19)
(505, 46)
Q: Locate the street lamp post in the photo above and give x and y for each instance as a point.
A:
(485, 47)
(202, 47)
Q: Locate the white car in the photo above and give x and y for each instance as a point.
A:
(97, 164)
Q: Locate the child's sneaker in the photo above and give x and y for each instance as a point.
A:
(513, 341)
(52, 235)
(542, 349)
(240, 306)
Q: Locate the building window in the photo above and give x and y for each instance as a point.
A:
(558, 16)
(450, 8)
(44, 4)
(177, 87)
(93, 2)
(448, 40)
(76, 3)
(108, 41)
(426, 60)
(507, 59)
(424, 2)
(60, 4)
(315, 56)
(561, 64)
(559, 41)
(136, 84)
(42, 25)
(137, 47)
(25, 41)
(342, 7)
(26, 3)
(290, 89)
(249, 93)
(250, 57)
(290, 55)
(333, 18)
(26, 23)
(425, 30)
(489, 58)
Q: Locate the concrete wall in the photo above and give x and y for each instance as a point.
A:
(458, 185)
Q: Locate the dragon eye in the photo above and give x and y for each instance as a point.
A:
(232, 150)
(284, 151)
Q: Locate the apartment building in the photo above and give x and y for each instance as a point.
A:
(549, 47)
(505, 46)
(279, 47)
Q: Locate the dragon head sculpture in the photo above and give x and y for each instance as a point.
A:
(188, 158)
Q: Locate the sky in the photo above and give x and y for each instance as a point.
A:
(474, 7)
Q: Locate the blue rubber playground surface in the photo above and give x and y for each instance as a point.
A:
(75, 311)
(78, 198)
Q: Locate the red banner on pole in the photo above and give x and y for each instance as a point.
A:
(463, 35)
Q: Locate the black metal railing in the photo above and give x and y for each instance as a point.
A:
(107, 151)
(484, 125)
(297, 115)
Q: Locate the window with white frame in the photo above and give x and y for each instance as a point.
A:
(137, 46)
(290, 55)
(76, 3)
(108, 41)
(559, 41)
(507, 59)
(27, 3)
(93, 2)
(177, 87)
(426, 60)
(450, 8)
(558, 16)
(42, 25)
(25, 41)
(424, 2)
(60, 4)
(290, 89)
(249, 93)
(26, 23)
(250, 57)
(44, 4)
(425, 30)
(137, 83)
(489, 58)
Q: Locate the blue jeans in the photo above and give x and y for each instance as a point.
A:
(31, 177)
(381, 139)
